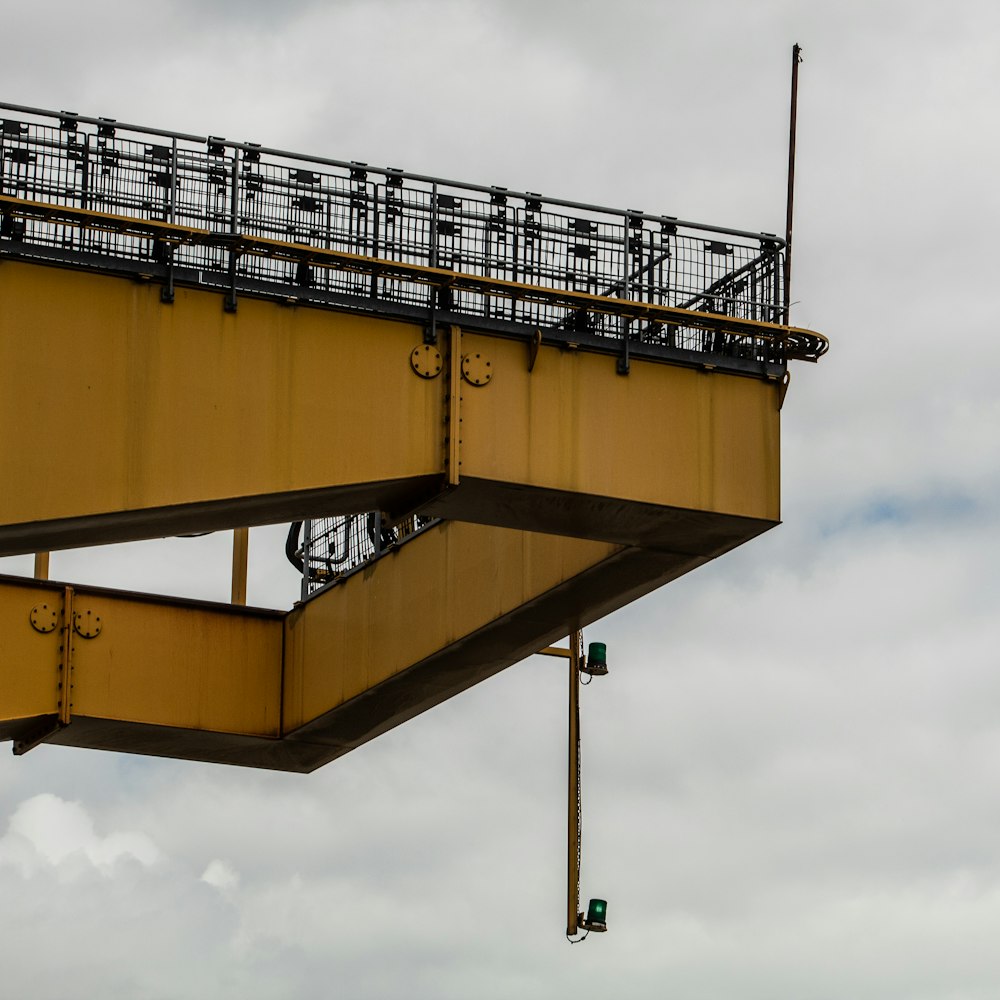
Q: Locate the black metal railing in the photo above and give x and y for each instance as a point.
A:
(228, 188)
(329, 549)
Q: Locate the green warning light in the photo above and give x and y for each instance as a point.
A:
(597, 911)
(596, 663)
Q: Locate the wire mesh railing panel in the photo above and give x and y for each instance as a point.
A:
(328, 549)
(300, 202)
(42, 164)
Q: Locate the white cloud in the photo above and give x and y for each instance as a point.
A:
(48, 832)
(221, 875)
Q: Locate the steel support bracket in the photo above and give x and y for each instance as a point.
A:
(73, 623)
(46, 728)
(229, 303)
(624, 364)
(167, 288)
(533, 346)
(783, 389)
(64, 688)
(453, 430)
(46, 617)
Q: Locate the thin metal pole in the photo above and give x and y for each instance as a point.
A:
(85, 179)
(623, 360)
(41, 565)
(173, 181)
(306, 550)
(167, 293)
(793, 113)
(573, 804)
(454, 404)
(430, 334)
(234, 209)
(241, 552)
(66, 659)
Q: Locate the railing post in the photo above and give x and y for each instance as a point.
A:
(85, 179)
(167, 293)
(306, 546)
(230, 300)
(430, 334)
(623, 360)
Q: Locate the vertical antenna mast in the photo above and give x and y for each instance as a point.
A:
(796, 59)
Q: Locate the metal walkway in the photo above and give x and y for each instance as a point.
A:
(254, 220)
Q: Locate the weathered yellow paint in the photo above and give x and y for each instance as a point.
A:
(185, 417)
(428, 595)
(195, 667)
(184, 404)
(663, 435)
(155, 661)
(29, 660)
(445, 610)
(568, 492)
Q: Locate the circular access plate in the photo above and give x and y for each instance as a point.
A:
(44, 617)
(425, 360)
(86, 624)
(476, 369)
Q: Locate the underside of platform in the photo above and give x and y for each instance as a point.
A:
(293, 691)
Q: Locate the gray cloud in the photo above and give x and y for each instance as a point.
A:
(789, 773)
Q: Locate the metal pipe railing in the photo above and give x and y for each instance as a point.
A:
(384, 171)
(252, 195)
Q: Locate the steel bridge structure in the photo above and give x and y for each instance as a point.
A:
(552, 408)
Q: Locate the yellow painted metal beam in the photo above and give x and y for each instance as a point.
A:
(567, 447)
(446, 610)
(161, 420)
(449, 608)
(156, 420)
(142, 672)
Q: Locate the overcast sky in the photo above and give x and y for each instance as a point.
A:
(792, 774)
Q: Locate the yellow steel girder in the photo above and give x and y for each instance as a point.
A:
(125, 418)
(292, 691)
(567, 492)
